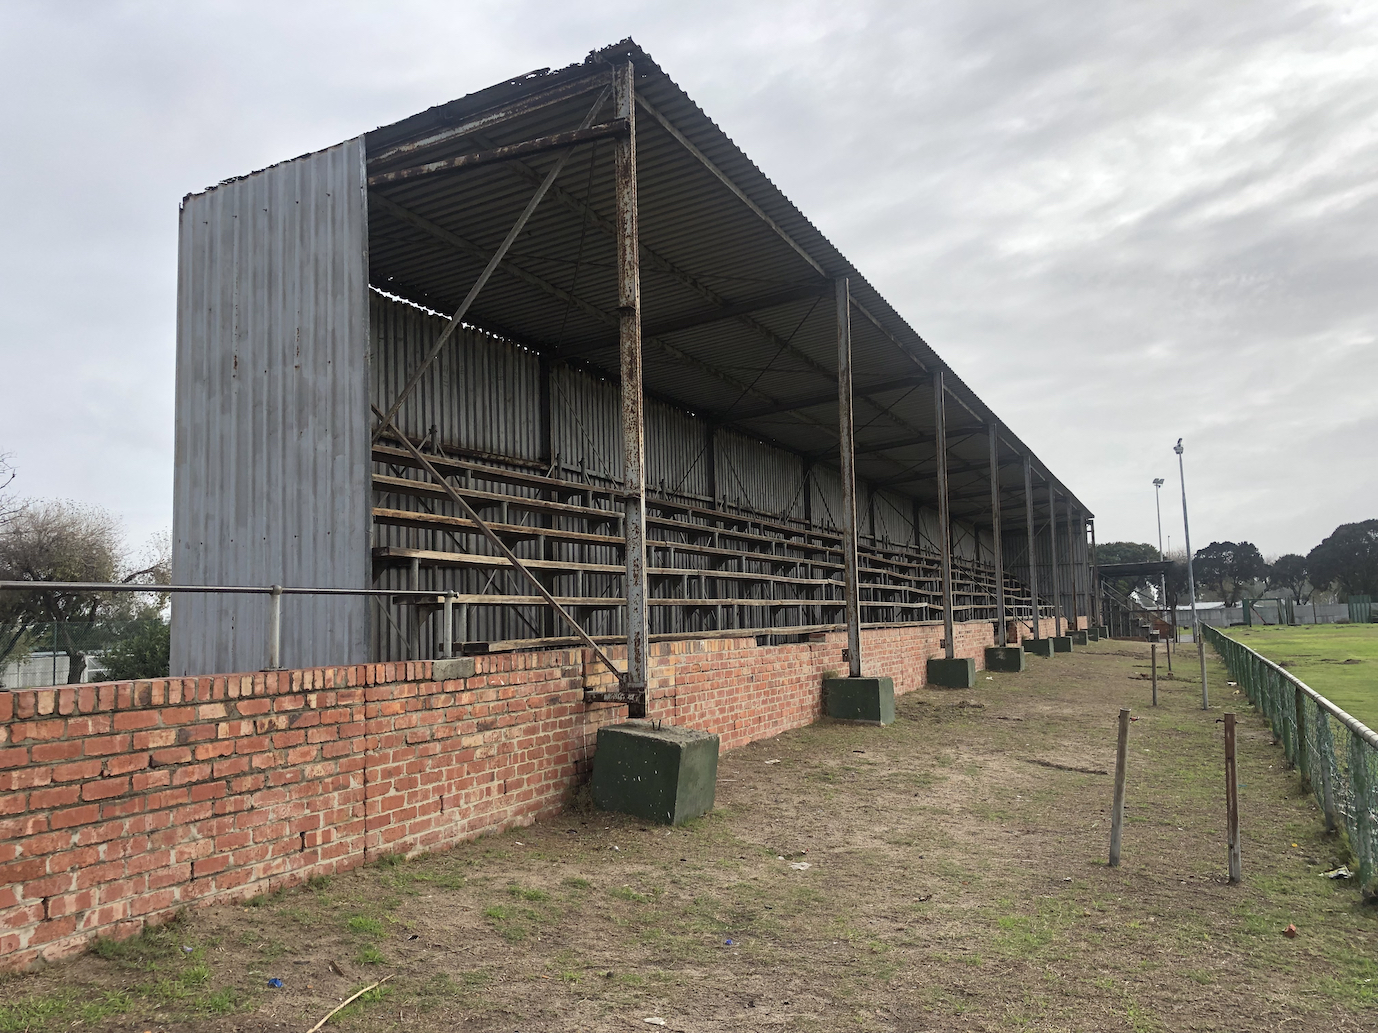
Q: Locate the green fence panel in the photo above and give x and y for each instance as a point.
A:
(1336, 755)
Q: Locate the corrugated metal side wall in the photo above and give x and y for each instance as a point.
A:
(484, 396)
(270, 481)
(755, 476)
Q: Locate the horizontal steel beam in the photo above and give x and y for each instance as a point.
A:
(494, 116)
(823, 399)
(719, 315)
(538, 145)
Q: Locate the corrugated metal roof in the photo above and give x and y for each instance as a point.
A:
(704, 249)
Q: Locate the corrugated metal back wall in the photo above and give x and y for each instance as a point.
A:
(271, 482)
(484, 395)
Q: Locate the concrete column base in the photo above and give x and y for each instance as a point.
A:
(1038, 646)
(1061, 643)
(868, 700)
(666, 774)
(1093, 634)
(1104, 630)
(1079, 638)
(1004, 658)
(957, 673)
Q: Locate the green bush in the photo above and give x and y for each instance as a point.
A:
(141, 654)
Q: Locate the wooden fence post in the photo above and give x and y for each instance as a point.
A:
(1117, 815)
(1232, 800)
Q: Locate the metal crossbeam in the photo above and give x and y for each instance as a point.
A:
(494, 116)
(488, 271)
(538, 145)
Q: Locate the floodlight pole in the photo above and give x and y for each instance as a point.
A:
(1191, 580)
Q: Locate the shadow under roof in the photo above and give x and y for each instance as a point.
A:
(738, 316)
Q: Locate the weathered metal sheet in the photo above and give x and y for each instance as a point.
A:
(755, 476)
(715, 234)
(272, 452)
(481, 393)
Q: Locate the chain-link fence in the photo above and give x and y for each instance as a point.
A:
(64, 652)
(1336, 755)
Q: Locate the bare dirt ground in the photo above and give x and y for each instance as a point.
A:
(945, 873)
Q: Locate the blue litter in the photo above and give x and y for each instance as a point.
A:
(728, 943)
(188, 949)
(275, 983)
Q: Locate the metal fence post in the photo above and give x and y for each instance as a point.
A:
(275, 628)
(1303, 762)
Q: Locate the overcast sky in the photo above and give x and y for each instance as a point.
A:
(1120, 223)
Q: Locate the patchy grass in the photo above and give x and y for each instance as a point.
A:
(1340, 661)
(953, 881)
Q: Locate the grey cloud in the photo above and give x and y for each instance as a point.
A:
(1120, 222)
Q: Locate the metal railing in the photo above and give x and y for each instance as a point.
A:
(273, 592)
(1335, 753)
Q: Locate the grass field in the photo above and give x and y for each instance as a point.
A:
(1340, 661)
(945, 873)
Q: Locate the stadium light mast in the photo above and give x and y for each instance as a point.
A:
(1158, 483)
(1191, 580)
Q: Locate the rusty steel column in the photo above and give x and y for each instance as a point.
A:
(1095, 579)
(1052, 555)
(944, 511)
(1074, 562)
(847, 452)
(633, 418)
(995, 535)
(1033, 552)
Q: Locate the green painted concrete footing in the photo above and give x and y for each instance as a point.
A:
(1104, 630)
(1061, 643)
(957, 673)
(663, 774)
(871, 700)
(1038, 646)
(1093, 634)
(1004, 658)
(1078, 638)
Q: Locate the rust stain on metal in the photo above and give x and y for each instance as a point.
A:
(538, 145)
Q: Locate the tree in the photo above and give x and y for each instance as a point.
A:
(1227, 568)
(142, 654)
(1347, 559)
(1289, 574)
(63, 541)
(7, 476)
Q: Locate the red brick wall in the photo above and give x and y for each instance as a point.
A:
(120, 803)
